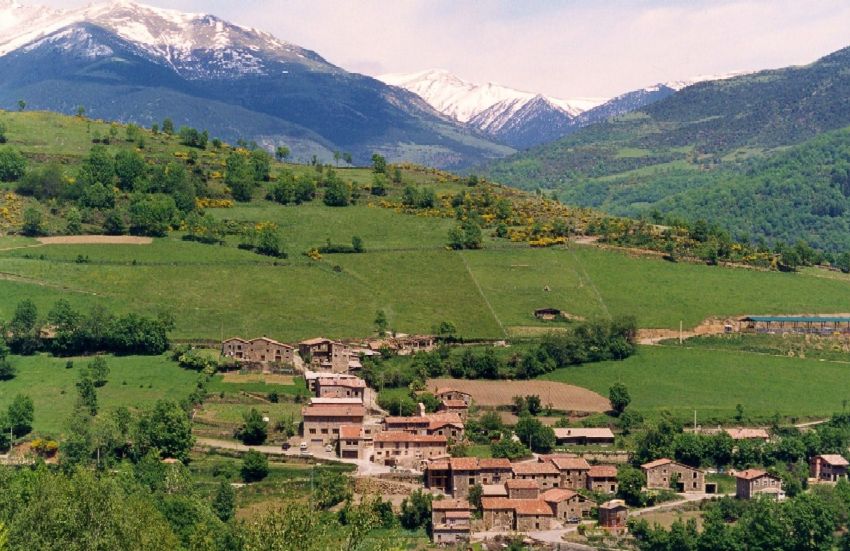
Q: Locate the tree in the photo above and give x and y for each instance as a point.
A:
(13, 165)
(475, 494)
(114, 223)
(416, 511)
(337, 193)
(21, 105)
(281, 153)
(43, 183)
(168, 126)
(33, 225)
(165, 428)
(357, 244)
(331, 487)
(152, 214)
(379, 163)
(7, 370)
(239, 176)
(381, 323)
(618, 396)
(74, 219)
(254, 430)
(534, 434)
(261, 162)
(87, 394)
(3, 138)
(99, 370)
(130, 168)
(20, 415)
(630, 482)
(255, 466)
(81, 111)
(224, 501)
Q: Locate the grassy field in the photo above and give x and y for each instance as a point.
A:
(830, 348)
(134, 381)
(714, 382)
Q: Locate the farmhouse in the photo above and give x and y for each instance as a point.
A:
(548, 314)
(335, 401)
(573, 470)
(450, 521)
(662, 473)
(351, 440)
(602, 479)
(613, 514)
(454, 406)
(312, 377)
(453, 394)
(829, 468)
(340, 387)
(516, 514)
(260, 350)
(545, 474)
(456, 475)
(754, 482)
(748, 434)
(325, 354)
(818, 325)
(567, 505)
(522, 489)
(322, 422)
(409, 449)
(584, 436)
(445, 424)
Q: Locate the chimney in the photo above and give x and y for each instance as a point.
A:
(421, 409)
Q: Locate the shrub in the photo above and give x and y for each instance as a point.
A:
(255, 466)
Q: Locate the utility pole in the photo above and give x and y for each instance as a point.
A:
(695, 420)
(680, 332)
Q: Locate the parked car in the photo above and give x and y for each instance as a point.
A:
(285, 446)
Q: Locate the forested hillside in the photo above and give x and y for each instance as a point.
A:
(699, 153)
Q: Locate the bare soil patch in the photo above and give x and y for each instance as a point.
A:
(95, 240)
(561, 396)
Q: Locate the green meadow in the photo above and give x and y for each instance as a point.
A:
(134, 381)
(713, 383)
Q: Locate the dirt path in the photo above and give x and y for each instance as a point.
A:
(483, 296)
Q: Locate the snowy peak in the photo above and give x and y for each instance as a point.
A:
(463, 100)
(195, 45)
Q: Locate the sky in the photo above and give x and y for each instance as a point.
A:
(566, 49)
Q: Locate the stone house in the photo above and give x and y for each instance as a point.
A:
(661, 473)
(312, 378)
(340, 388)
(458, 407)
(545, 474)
(456, 475)
(405, 448)
(613, 514)
(322, 422)
(532, 514)
(495, 470)
(497, 513)
(522, 488)
(261, 350)
(573, 470)
(446, 393)
(748, 434)
(602, 479)
(548, 314)
(829, 468)
(753, 482)
(584, 436)
(450, 521)
(351, 441)
(567, 505)
(449, 425)
(325, 354)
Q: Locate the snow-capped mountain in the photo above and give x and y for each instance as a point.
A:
(492, 108)
(131, 62)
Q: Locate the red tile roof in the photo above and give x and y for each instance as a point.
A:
(521, 484)
(314, 342)
(333, 411)
(743, 434)
(438, 465)
(458, 514)
(536, 507)
(656, 463)
(455, 404)
(399, 436)
(531, 467)
(464, 463)
(834, 459)
(450, 504)
(446, 390)
(412, 420)
(584, 433)
(751, 474)
(494, 463)
(571, 463)
(350, 431)
(496, 503)
(614, 504)
(602, 471)
(557, 495)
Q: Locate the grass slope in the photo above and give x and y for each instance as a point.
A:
(714, 382)
(134, 381)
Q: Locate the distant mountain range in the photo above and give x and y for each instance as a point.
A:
(523, 119)
(130, 62)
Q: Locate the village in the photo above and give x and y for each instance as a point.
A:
(545, 497)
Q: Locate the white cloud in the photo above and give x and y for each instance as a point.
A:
(568, 48)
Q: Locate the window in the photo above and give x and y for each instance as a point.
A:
(312, 431)
(324, 431)
(472, 481)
